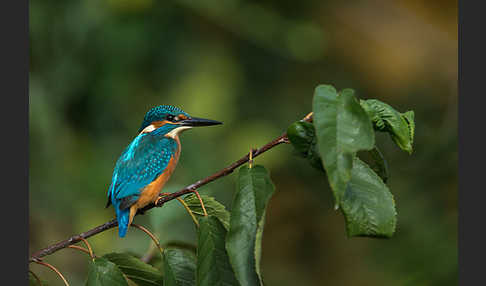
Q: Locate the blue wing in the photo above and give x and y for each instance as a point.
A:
(141, 163)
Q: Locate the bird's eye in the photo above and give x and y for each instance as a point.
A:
(170, 117)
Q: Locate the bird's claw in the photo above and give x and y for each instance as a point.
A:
(161, 195)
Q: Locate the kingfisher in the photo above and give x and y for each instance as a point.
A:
(148, 161)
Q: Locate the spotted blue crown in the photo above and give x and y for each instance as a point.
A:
(159, 113)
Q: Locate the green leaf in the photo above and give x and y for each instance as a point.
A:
(379, 164)
(400, 126)
(104, 272)
(179, 267)
(246, 223)
(258, 246)
(131, 283)
(409, 116)
(342, 128)
(213, 266)
(302, 136)
(141, 273)
(213, 207)
(367, 204)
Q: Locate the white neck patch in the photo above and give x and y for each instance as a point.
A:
(172, 134)
(148, 129)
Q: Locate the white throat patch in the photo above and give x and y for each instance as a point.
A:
(172, 134)
(176, 131)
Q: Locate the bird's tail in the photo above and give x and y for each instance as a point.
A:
(123, 220)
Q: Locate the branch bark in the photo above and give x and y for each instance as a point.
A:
(165, 198)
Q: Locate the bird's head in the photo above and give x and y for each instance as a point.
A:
(171, 120)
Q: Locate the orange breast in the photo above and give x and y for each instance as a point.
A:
(151, 192)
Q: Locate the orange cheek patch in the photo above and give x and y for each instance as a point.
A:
(158, 124)
(182, 117)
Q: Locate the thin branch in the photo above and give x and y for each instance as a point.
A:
(36, 277)
(72, 240)
(186, 207)
(149, 254)
(189, 211)
(152, 236)
(224, 172)
(163, 199)
(79, 248)
(201, 203)
(89, 248)
(53, 269)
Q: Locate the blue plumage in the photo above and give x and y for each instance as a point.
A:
(141, 163)
(158, 113)
(146, 158)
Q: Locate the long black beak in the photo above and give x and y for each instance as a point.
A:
(195, 122)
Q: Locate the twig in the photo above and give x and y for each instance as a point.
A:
(189, 211)
(72, 240)
(79, 248)
(53, 269)
(201, 203)
(152, 236)
(149, 254)
(186, 207)
(163, 199)
(89, 248)
(36, 277)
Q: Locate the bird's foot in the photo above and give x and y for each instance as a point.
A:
(161, 195)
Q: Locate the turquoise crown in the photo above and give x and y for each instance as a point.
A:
(159, 113)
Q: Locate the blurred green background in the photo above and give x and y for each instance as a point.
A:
(96, 67)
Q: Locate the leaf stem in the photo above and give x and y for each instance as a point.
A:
(250, 159)
(53, 269)
(89, 248)
(149, 254)
(183, 203)
(79, 248)
(152, 236)
(201, 202)
(308, 117)
(186, 207)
